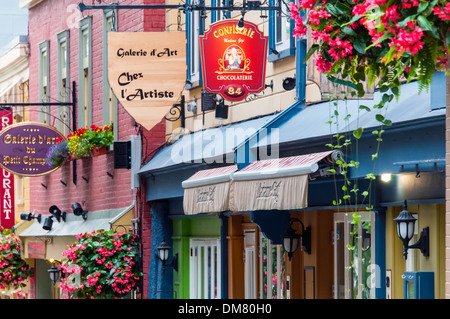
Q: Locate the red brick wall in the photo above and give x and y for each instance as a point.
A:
(99, 186)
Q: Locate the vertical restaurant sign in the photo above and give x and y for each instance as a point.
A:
(233, 60)
(7, 212)
(147, 72)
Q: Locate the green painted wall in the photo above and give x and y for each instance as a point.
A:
(183, 230)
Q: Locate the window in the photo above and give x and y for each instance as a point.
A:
(63, 81)
(250, 264)
(217, 15)
(272, 270)
(281, 41)
(44, 81)
(85, 74)
(353, 282)
(205, 269)
(109, 99)
(194, 27)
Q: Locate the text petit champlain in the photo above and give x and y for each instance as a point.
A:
(225, 309)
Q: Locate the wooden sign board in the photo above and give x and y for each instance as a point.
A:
(147, 72)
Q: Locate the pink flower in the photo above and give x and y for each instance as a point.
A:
(322, 65)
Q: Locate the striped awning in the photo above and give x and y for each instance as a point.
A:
(207, 191)
(280, 183)
(276, 184)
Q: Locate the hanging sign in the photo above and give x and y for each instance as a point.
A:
(24, 147)
(233, 60)
(147, 72)
(7, 212)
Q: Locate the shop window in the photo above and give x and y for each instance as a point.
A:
(353, 256)
(272, 270)
(63, 81)
(85, 73)
(44, 81)
(281, 41)
(205, 269)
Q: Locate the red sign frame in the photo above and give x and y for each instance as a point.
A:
(233, 60)
(7, 211)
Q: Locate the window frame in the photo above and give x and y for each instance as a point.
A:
(44, 80)
(64, 111)
(287, 47)
(85, 26)
(193, 47)
(110, 107)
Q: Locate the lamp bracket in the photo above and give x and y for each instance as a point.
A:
(423, 244)
(173, 264)
(305, 235)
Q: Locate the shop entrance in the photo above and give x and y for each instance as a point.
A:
(353, 256)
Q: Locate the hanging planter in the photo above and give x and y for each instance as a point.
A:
(376, 40)
(14, 271)
(101, 264)
(97, 151)
(81, 143)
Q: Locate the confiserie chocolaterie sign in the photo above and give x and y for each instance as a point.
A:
(147, 72)
(233, 59)
(24, 146)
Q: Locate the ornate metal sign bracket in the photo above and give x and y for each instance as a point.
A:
(178, 109)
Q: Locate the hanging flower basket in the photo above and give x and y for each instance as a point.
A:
(376, 40)
(14, 271)
(101, 264)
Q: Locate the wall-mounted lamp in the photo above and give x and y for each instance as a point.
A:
(30, 216)
(288, 84)
(79, 211)
(386, 177)
(240, 24)
(48, 223)
(291, 238)
(192, 107)
(56, 212)
(54, 272)
(163, 254)
(405, 230)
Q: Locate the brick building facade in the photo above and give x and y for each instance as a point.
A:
(55, 26)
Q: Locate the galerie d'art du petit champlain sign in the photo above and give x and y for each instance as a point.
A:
(24, 146)
(147, 72)
(233, 59)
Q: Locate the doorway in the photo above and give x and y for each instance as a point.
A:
(353, 255)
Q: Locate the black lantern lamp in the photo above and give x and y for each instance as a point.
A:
(79, 211)
(405, 231)
(54, 272)
(291, 239)
(163, 254)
